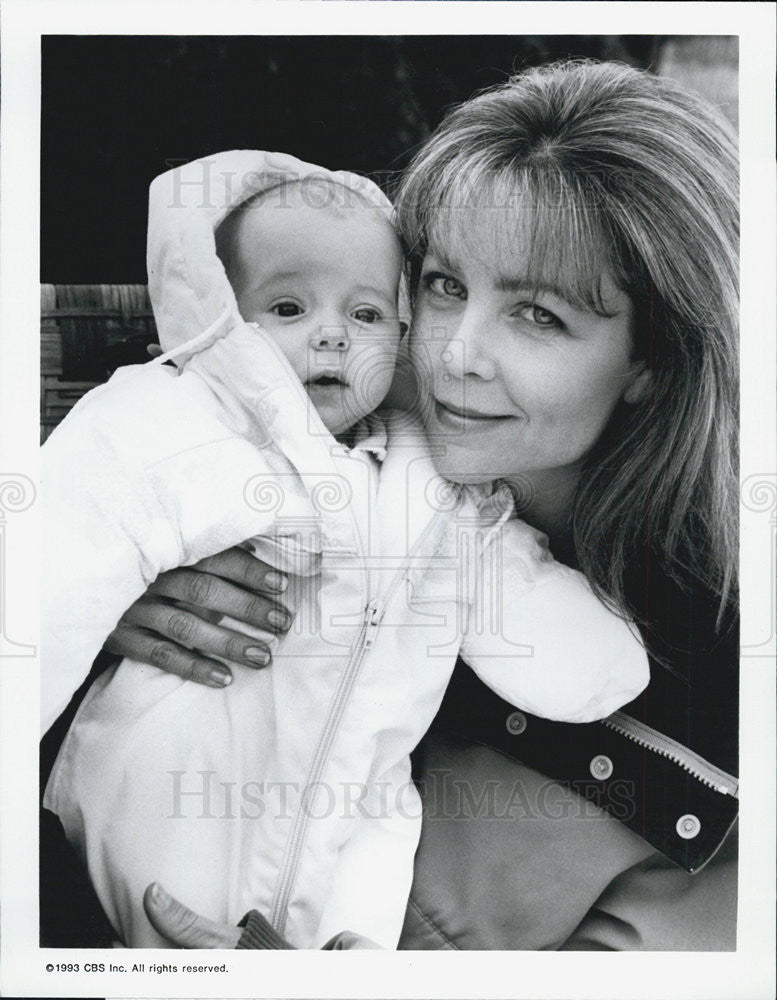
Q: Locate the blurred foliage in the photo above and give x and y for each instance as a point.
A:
(118, 110)
(706, 64)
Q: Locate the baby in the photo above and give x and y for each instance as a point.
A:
(275, 289)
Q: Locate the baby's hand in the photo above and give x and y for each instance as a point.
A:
(175, 625)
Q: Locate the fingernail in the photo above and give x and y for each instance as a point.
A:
(276, 581)
(258, 654)
(220, 677)
(278, 618)
(159, 895)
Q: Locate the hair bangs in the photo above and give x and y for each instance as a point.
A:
(534, 216)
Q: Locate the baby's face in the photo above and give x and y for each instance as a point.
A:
(323, 283)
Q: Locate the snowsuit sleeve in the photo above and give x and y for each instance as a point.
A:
(136, 481)
(103, 542)
(539, 637)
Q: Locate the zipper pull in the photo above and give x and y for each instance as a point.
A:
(372, 619)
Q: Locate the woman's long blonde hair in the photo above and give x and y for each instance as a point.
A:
(615, 164)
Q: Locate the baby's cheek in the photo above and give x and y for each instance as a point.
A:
(374, 375)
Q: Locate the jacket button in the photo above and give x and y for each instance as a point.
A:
(516, 723)
(688, 826)
(601, 767)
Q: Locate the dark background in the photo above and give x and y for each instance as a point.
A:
(118, 110)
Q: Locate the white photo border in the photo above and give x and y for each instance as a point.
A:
(746, 973)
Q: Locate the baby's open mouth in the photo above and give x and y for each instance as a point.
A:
(327, 382)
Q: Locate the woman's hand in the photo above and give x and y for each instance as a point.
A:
(183, 927)
(175, 625)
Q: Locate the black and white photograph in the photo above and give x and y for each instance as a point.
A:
(400, 463)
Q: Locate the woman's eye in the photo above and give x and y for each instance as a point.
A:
(444, 286)
(366, 315)
(286, 309)
(539, 316)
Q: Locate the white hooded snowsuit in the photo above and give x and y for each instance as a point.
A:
(289, 791)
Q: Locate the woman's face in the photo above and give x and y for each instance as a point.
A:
(518, 384)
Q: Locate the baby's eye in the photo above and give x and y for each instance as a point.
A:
(366, 314)
(286, 309)
(442, 284)
(538, 316)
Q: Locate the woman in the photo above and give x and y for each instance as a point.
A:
(571, 239)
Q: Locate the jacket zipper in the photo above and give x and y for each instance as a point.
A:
(373, 614)
(697, 766)
(364, 641)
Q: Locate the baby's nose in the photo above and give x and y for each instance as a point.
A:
(331, 339)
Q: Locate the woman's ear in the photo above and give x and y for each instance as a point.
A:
(639, 386)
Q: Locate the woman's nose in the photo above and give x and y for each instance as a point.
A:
(331, 338)
(466, 351)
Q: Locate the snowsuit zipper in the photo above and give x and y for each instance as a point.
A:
(373, 614)
(364, 641)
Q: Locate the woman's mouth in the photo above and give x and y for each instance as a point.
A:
(458, 418)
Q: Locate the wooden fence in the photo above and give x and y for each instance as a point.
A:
(86, 333)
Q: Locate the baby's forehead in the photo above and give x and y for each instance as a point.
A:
(307, 206)
(316, 231)
(317, 200)
(314, 216)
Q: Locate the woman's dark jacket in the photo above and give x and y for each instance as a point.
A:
(665, 764)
